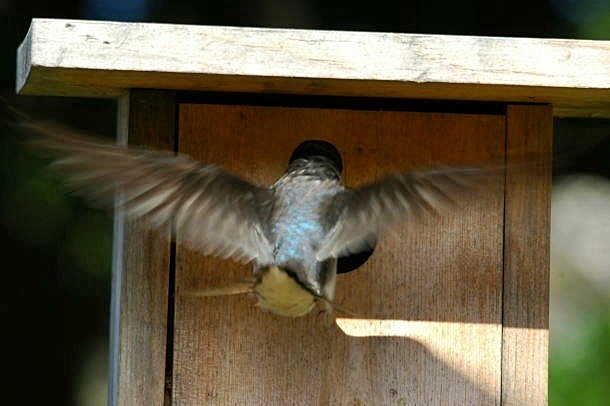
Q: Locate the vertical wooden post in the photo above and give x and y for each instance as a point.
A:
(141, 268)
(529, 130)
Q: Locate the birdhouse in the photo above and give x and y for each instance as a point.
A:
(449, 310)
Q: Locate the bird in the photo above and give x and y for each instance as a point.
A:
(292, 232)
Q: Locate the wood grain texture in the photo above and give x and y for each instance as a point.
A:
(429, 299)
(93, 58)
(141, 271)
(527, 250)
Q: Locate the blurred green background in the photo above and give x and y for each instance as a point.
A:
(57, 277)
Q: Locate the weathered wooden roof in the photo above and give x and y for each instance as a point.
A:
(101, 59)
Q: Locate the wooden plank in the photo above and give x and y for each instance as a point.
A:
(141, 270)
(526, 247)
(93, 58)
(429, 299)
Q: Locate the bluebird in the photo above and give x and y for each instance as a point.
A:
(292, 232)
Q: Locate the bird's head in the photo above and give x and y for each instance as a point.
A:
(318, 148)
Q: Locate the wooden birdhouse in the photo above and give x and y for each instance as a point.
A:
(451, 310)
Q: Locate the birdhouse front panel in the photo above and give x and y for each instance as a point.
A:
(419, 323)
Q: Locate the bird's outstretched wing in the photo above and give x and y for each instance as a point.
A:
(364, 211)
(214, 211)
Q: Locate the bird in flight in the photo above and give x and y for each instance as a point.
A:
(293, 231)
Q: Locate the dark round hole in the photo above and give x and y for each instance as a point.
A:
(309, 148)
(352, 262)
(323, 148)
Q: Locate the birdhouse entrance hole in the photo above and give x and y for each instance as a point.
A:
(306, 148)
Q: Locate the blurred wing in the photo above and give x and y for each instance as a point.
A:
(364, 211)
(215, 211)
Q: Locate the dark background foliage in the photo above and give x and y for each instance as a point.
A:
(58, 251)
